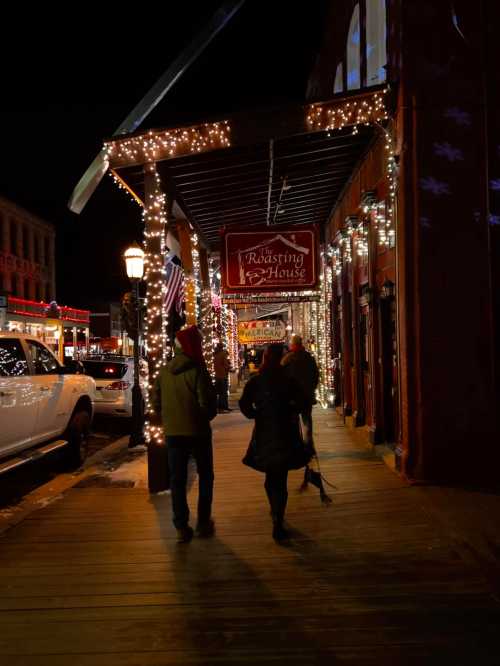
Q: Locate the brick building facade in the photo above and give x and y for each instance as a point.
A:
(27, 254)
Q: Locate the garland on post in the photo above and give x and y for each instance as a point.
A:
(154, 276)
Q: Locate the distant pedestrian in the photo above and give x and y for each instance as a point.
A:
(300, 365)
(184, 395)
(222, 367)
(274, 402)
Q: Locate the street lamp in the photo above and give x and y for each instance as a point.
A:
(134, 260)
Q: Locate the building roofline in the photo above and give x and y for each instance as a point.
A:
(20, 211)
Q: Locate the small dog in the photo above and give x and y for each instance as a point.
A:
(316, 479)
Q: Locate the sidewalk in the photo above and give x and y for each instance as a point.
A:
(387, 574)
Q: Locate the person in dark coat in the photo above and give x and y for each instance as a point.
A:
(300, 365)
(222, 367)
(274, 402)
(184, 395)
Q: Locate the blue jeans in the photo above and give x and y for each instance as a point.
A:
(180, 449)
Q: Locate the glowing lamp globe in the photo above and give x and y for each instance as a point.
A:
(134, 259)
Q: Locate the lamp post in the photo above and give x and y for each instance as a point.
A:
(134, 260)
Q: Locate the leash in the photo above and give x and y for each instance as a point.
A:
(317, 479)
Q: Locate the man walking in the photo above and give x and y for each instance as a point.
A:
(301, 366)
(184, 395)
(221, 370)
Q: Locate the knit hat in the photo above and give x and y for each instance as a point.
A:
(190, 340)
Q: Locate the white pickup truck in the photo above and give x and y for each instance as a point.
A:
(43, 404)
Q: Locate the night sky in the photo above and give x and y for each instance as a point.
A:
(69, 81)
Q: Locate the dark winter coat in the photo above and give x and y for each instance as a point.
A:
(221, 364)
(184, 393)
(274, 402)
(301, 366)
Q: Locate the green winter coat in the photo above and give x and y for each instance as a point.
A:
(184, 393)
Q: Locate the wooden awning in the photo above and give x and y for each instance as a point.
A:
(278, 166)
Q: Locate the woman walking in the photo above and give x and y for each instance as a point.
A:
(274, 401)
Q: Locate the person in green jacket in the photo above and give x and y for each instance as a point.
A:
(184, 395)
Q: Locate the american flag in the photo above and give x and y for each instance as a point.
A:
(175, 286)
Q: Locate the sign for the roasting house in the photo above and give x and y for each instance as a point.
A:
(261, 331)
(270, 259)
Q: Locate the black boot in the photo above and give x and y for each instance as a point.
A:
(279, 532)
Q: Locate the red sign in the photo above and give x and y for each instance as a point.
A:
(270, 259)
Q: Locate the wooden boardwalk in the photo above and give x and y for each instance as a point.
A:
(382, 576)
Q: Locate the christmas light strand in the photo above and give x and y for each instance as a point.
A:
(324, 346)
(154, 145)
(155, 328)
(381, 214)
(207, 325)
(336, 116)
(195, 253)
(233, 339)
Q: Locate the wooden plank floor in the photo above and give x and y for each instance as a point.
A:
(378, 577)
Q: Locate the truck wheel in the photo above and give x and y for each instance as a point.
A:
(77, 435)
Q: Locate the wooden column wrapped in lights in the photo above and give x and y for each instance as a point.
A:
(190, 288)
(154, 276)
(207, 320)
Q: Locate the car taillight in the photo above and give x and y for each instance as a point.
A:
(118, 386)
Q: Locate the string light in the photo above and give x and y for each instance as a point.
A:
(207, 325)
(238, 300)
(346, 245)
(154, 145)
(123, 186)
(220, 322)
(363, 110)
(195, 253)
(155, 328)
(224, 325)
(361, 241)
(336, 260)
(322, 325)
(233, 338)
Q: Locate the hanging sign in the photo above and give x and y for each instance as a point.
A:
(261, 331)
(270, 259)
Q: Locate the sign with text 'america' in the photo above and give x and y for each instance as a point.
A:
(270, 259)
(261, 331)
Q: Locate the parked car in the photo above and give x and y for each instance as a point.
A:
(42, 401)
(114, 378)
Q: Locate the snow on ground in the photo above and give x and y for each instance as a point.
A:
(135, 470)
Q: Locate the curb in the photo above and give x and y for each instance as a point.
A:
(53, 490)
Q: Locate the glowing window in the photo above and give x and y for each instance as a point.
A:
(376, 44)
(354, 52)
